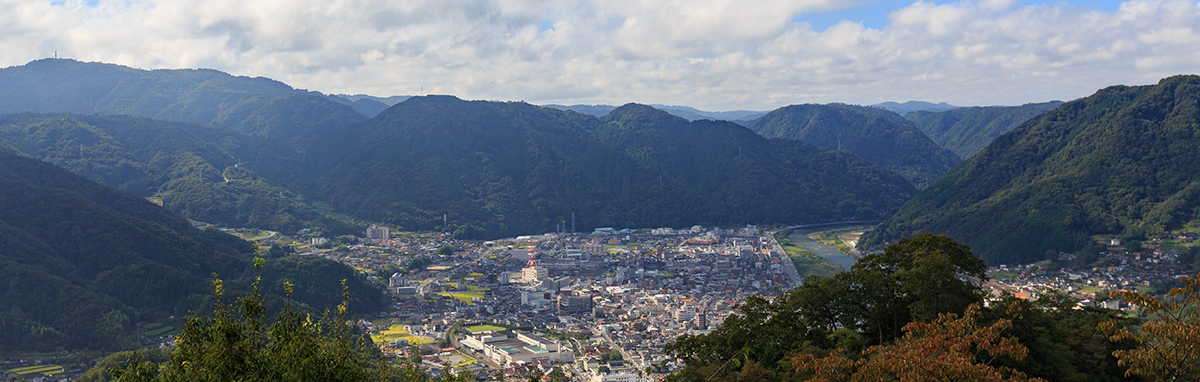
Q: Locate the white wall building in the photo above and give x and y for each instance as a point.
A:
(378, 233)
(508, 347)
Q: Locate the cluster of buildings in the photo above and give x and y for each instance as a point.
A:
(573, 301)
(1114, 269)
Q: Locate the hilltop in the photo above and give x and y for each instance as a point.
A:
(876, 135)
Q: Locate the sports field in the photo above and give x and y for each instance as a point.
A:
(483, 328)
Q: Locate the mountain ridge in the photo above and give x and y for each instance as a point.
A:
(1119, 162)
(879, 136)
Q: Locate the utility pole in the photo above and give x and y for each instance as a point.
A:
(572, 222)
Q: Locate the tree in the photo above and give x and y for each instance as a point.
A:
(949, 348)
(238, 343)
(1169, 343)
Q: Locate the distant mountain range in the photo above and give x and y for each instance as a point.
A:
(255, 106)
(496, 169)
(490, 169)
(967, 130)
(256, 152)
(879, 136)
(1121, 162)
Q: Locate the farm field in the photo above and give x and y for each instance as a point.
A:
(397, 332)
(39, 369)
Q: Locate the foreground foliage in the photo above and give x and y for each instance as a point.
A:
(237, 343)
(951, 347)
(922, 294)
(1121, 162)
(1169, 344)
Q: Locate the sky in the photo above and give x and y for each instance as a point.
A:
(710, 54)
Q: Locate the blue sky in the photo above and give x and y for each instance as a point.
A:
(874, 15)
(709, 54)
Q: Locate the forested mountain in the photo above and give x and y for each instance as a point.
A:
(967, 130)
(208, 173)
(1124, 161)
(82, 263)
(876, 135)
(258, 106)
(237, 152)
(494, 169)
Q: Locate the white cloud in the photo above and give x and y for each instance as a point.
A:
(714, 54)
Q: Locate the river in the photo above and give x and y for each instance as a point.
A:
(800, 236)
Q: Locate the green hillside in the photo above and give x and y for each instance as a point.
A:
(738, 176)
(257, 105)
(1121, 162)
(967, 130)
(496, 169)
(82, 263)
(879, 136)
(206, 173)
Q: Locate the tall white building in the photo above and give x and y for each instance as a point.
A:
(378, 233)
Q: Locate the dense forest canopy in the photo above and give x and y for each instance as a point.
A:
(1122, 162)
(879, 136)
(967, 130)
(832, 328)
(497, 169)
(202, 172)
(82, 263)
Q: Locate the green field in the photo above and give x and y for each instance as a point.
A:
(463, 296)
(396, 332)
(807, 263)
(832, 239)
(484, 328)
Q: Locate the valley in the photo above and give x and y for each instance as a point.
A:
(454, 222)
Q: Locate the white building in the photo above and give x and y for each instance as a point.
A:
(533, 272)
(378, 233)
(509, 347)
(616, 377)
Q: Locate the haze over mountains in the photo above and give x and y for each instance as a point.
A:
(254, 152)
(488, 169)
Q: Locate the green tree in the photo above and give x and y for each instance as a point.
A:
(238, 343)
(1169, 343)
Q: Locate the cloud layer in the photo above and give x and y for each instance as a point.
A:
(713, 54)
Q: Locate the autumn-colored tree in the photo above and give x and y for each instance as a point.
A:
(1169, 343)
(949, 348)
